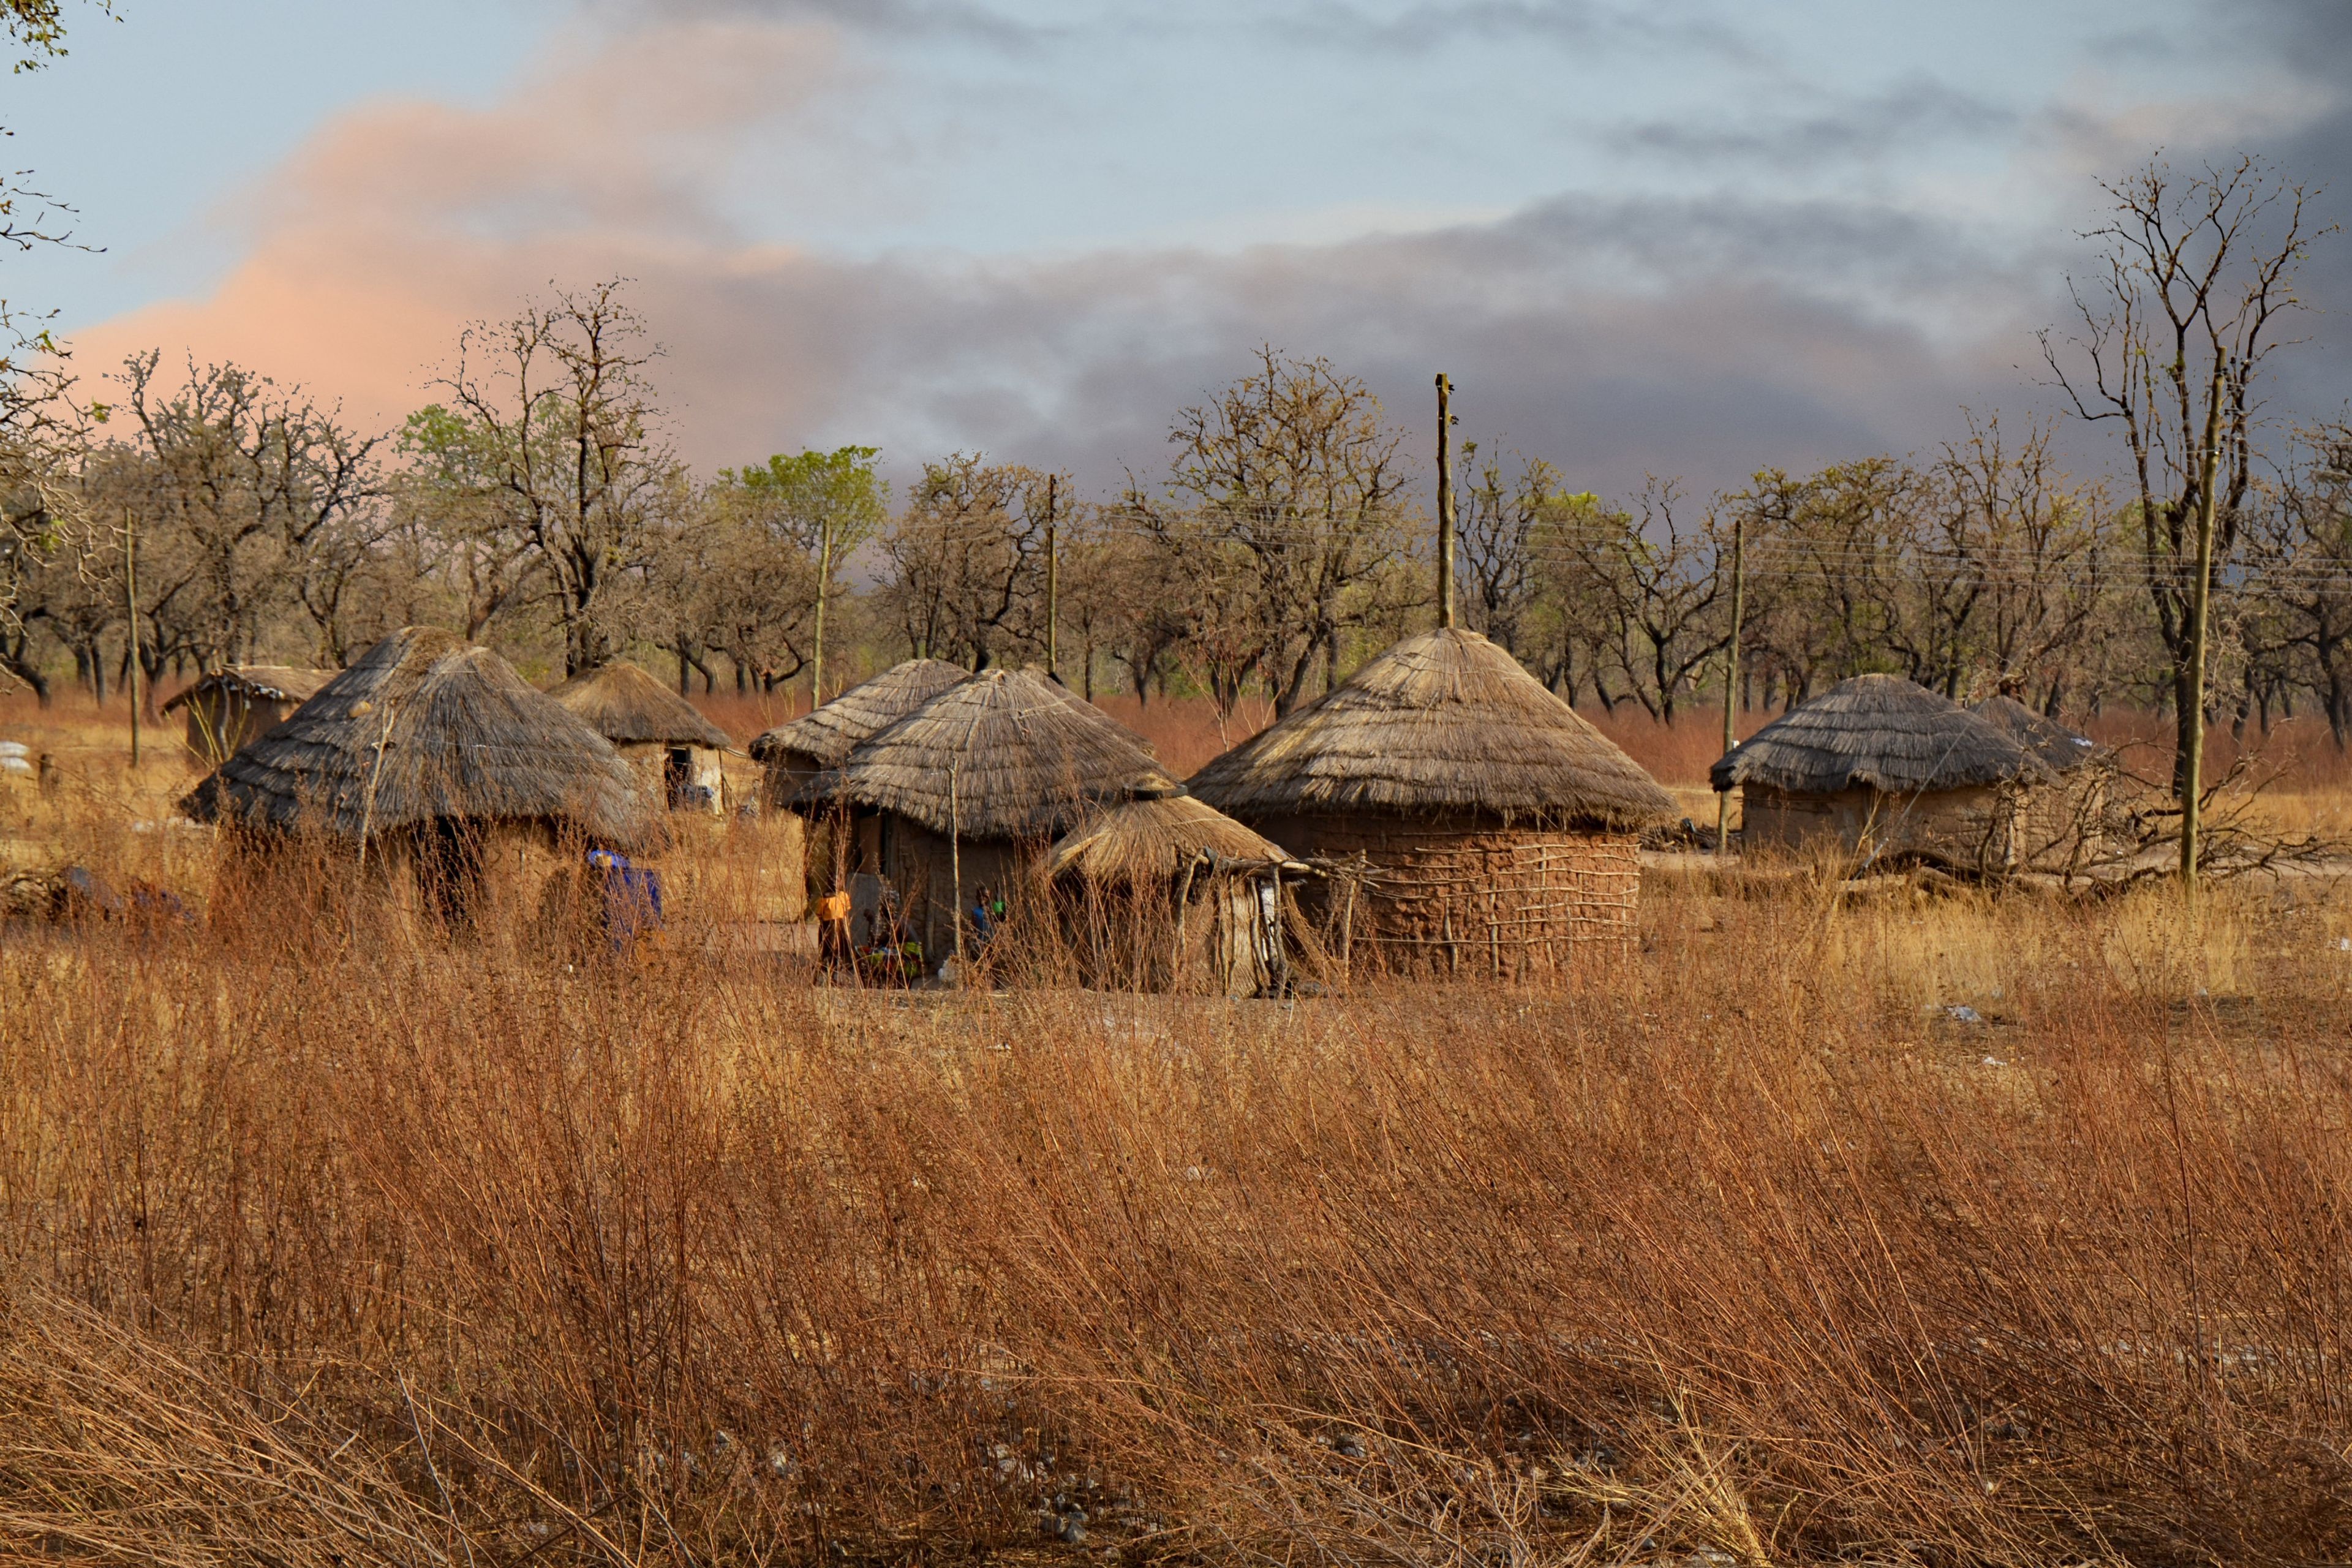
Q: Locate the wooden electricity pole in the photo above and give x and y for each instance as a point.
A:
(1731, 676)
(1052, 580)
(2192, 766)
(824, 587)
(1444, 501)
(131, 606)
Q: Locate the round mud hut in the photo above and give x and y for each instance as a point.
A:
(2064, 821)
(791, 754)
(1882, 767)
(1167, 893)
(656, 730)
(453, 776)
(1475, 824)
(230, 707)
(965, 793)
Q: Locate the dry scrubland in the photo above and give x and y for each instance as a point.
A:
(320, 1246)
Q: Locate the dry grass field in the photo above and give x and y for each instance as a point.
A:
(1942, 1231)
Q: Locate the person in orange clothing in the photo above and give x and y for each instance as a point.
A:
(832, 929)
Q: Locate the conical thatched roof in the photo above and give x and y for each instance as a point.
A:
(275, 682)
(1155, 840)
(1000, 755)
(2058, 747)
(427, 726)
(1444, 721)
(1876, 731)
(826, 734)
(627, 707)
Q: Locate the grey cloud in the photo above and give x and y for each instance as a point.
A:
(1918, 111)
(1587, 24)
(967, 21)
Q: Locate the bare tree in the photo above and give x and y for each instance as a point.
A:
(2301, 566)
(1293, 472)
(966, 562)
(550, 456)
(2195, 275)
(1500, 522)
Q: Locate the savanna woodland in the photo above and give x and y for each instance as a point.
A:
(1832, 1210)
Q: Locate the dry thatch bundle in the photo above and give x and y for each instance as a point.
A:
(628, 707)
(825, 736)
(1157, 839)
(1444, 723)
(251, 683)
(1881, 732)
(2059, 748)
(427, 728)
(1002, 755)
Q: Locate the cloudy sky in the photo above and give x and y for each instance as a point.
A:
(1680, 237)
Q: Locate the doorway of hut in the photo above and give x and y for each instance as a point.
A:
(677, 775)
(448, 862)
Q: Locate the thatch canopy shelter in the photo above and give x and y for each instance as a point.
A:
(433, 751)
(1170, 893)
(792, 753)
(1883, 766)
(964, 791)
(229, 707)
(1493, 826)
(656, 729)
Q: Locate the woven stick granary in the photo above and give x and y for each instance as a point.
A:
(426, 729)
(1493, 826)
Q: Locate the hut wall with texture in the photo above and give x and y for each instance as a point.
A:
(1468, 896)
(651, 759)
(1979, 828)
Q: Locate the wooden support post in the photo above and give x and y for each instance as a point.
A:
(2192, 767)
(1731, 676)
(131, 606)
(824, 591)
(1052, 580)
(1444, 501)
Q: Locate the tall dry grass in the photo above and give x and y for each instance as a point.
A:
(339, 1241)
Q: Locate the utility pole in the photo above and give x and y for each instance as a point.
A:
(2192, 766)
(824, 587)
(1445, 502)
(1052, 580)
(131, 604)
(1732, 676)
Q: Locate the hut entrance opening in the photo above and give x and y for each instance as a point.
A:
(448, 860)
(677, 775)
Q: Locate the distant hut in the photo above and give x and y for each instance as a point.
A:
(791, 754)
(1494, 830)
(433, 756)
(2064, 821)
(968, 789)
(230, 707)
(654, 727)
(1170, 893)
(1882, 766)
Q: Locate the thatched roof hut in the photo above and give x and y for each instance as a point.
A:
(655, 727)
(628, 707)
(961, 793)
(823, 737)
(1883, 765)
(1002, 755)
(230, 707)
(1493, 826)
(425, 730)
(1171, 894)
